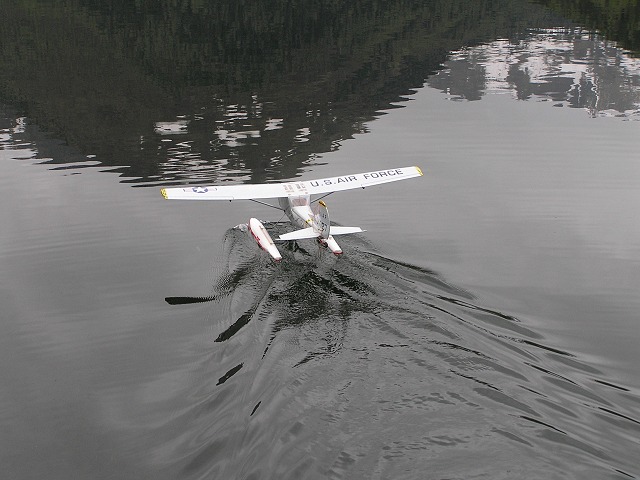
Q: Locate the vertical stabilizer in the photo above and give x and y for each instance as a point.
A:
(321, 220)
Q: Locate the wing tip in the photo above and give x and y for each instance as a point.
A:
(419, 170)
(163, 192)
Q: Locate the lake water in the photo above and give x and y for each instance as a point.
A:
(485, 326)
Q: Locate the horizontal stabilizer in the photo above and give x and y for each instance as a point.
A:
(300, 234)
(345, 230)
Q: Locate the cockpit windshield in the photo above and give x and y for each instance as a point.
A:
(300, 201)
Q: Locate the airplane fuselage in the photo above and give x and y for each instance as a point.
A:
(298, 210)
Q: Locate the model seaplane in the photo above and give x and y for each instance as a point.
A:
(294, 198)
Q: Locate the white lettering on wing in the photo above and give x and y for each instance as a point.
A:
(383, 173)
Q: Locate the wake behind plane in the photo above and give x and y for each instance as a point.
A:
(294, 199)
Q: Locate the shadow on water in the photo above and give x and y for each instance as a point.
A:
(351, 367)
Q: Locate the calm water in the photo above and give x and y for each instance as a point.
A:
(485, 326)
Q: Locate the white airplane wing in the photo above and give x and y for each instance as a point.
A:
(291, 189)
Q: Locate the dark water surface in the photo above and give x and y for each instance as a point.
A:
(485, 326)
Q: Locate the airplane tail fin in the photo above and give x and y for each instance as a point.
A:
(321, 229)
(321, 220)
(322, 224)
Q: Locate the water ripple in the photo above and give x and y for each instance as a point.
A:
(365, 367)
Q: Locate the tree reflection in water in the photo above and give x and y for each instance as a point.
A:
(568, 66)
